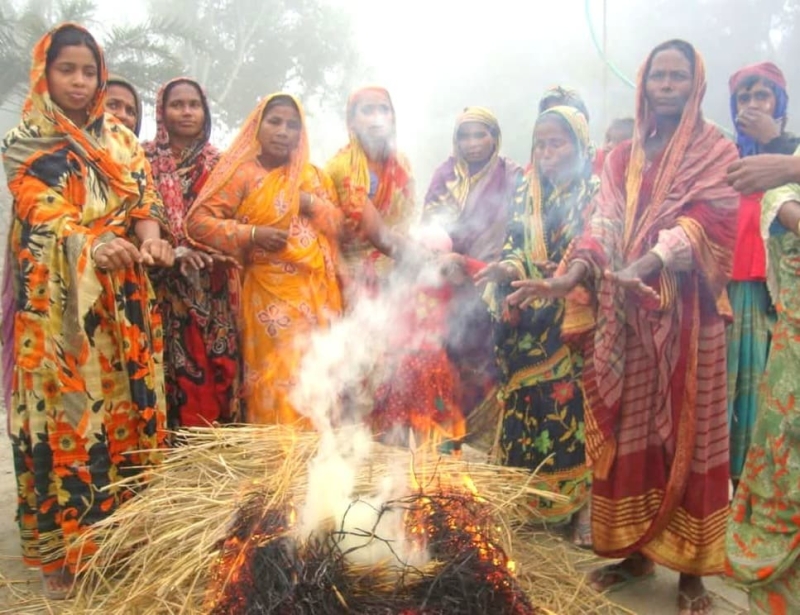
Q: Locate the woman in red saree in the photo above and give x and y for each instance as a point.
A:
(201, 346)
(656, 256)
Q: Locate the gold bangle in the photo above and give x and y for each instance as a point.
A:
(253, 235)
(797, 228)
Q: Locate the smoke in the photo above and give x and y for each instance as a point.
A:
(338, 376)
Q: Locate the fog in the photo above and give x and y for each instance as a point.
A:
(438, 56)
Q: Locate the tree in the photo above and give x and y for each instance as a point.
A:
(248, 48)
(142, 52)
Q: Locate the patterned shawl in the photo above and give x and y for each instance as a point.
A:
(689, 192)
(117, 80)
(180, 181)
(84, 181)
(473, 209)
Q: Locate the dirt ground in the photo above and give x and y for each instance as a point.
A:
(19, 587)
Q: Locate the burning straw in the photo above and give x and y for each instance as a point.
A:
(164, 551)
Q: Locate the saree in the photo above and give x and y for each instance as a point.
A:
(655, 373)
(753, 315)
(391, 191)
(201, 345)
(543, 402)
(763, 540)
(87, 407)
(286, 295)
(475, 211)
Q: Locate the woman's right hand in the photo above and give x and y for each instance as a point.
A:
(116, 254)
(270, 239)
(499, 273)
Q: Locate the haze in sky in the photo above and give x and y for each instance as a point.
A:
(438, 56)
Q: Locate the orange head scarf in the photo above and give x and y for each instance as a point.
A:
(44, 125)
(246, 147)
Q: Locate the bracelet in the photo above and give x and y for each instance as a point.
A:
(253, 235)
(797, 228)
(94, 250)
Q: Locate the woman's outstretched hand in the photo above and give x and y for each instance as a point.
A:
(631, 280)
(499, 273)
(527, 291)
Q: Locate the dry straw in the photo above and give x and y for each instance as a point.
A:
(158, 550)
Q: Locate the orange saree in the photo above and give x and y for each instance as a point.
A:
(286, 295)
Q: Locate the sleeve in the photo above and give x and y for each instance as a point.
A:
(770, 206)
(212, 222)
(514, 246)
(786, 143)
(150, 206)
(674, 249)
(326, 217)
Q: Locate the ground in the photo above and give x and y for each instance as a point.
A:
(19, 586)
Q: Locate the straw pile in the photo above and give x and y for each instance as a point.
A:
(159, 552)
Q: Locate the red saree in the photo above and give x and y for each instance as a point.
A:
(655, 375)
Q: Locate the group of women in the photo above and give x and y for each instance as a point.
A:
(168, 284)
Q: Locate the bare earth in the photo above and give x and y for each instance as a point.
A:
(19, 587)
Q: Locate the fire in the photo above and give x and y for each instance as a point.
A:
(470, 484)
(511, 566)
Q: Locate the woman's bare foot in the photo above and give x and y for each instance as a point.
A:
(582, 528)
(58, 585)
(693, 599)
(615, 576)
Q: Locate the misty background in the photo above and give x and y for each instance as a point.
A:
(435, 57)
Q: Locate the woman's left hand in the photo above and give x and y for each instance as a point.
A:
(157, 252)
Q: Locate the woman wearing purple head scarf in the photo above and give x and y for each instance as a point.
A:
(469, 198)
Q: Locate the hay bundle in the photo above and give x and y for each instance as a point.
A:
(159, 552)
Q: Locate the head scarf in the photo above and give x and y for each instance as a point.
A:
(463, 182)
(349, 168)
(121, 81)
(246, 147)
(580, 190)
(44, 127)
(179, 181)
(562, 96)
(773, 77)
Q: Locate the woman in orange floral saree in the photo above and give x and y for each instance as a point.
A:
(267, 206)
(87, 387)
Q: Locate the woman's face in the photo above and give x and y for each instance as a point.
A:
(121, 103)
(279, 133)
(373, 118)
(184, 115)
(669, 83)
(72, 79)
(758, 96)
(475, 143)
(554, 150)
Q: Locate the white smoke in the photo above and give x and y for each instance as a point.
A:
(334, 391)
